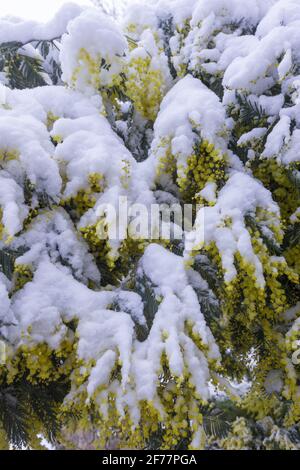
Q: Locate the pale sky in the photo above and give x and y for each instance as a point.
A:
(40, 10)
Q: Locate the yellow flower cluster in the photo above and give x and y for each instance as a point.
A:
(250, 310)
(39, 362)
(89, 65)
(96, 182)
(292, 256)
(85, 199)
(275, 177)
(245, 295)
(275, 356)
(51, 118)
(4, 441)
(239, 438)
(206, 165)
(118, 263)
(22, 275)
(257, 402)
(33, 213)
(99, 246)
(7, 155)
(279, 440)
(166, 163)
(291, 366)
(144, 86)
(178, 412)
(91, 68)
(126, 174)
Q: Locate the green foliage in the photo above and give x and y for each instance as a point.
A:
(167, 26)
(214, 83)
(44, 200)
(208, 270)
(292, 235)
(21, 403)
(218, 418)
(7, 261)
(22, 70)
(270, 243)
(294, 177)
(145, 289)
(54, 69)
(249, 110)
(241, 152)
(208, 296)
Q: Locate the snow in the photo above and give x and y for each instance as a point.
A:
(209, 192)
(247, 71)
(181, 112)
(12, 29)
(279, 135)
(91, 38)
(183, 108)
(281, 13)
(179, 304)
(55, 139)
(230, 10)
(12, 203)
(254, 134)
(271, 104)
(54, 234)
(273, 382)
(285, 65)
(29, 138)
(141, 18)
(292, 153)
(240, 196)
(54, 297)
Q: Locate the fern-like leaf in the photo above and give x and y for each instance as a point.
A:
(7, 261)
(249, 110)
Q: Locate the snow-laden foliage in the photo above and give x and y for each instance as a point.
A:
(182, 101)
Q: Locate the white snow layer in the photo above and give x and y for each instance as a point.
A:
(74, 117)
(91, 38)
(27, 31)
